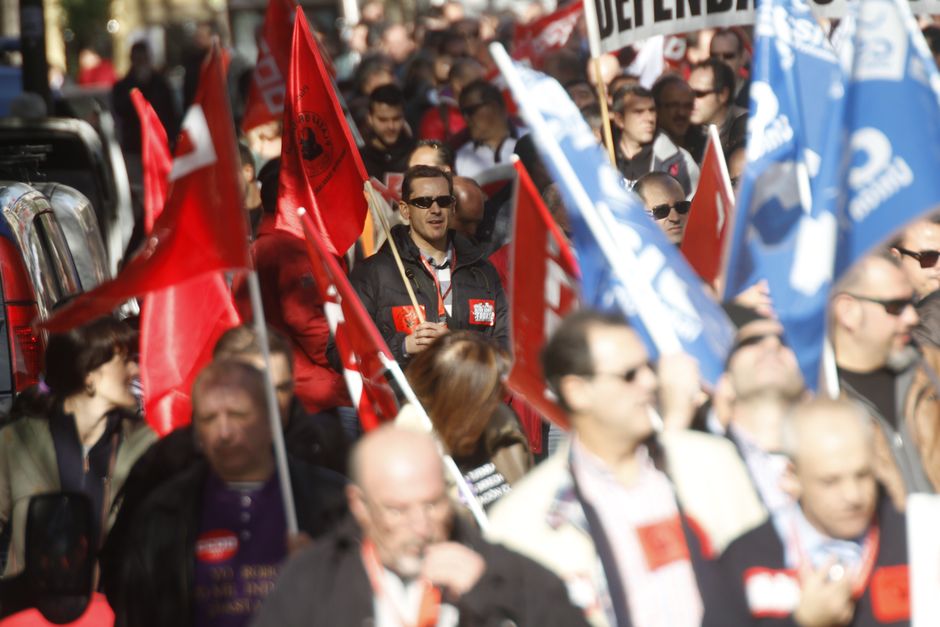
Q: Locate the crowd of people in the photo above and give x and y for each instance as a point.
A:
(661, 503)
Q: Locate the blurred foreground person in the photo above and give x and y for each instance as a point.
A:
(83, 436)
(206, 546)
(409, 560)
(459, 382)
(627, 519)
(839, 555)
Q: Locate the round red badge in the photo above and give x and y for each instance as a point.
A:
(216, 546)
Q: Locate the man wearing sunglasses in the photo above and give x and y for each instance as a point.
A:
(918, 250)
(665, 202)
(728, 46)
(871, 318)
(712, 83)
(454, 284)
(614, 512)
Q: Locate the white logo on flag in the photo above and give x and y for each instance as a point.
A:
(878, 176)
(883, 40)
(196, 128)
(767, 129)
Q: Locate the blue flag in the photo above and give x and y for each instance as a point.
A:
(627, 264)
(892, 122)
(785, 222)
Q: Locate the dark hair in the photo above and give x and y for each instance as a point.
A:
(931, 33)
(269, 176)
(140, 46)
(247, 158)
(459, 381)
(227, 373)
(390, 95)
(73, 355)
(462, 68)
(722, 73)
(424, 172)
(665, 81)
(242, 341)
(444, 152)
(567, 351)
(487, 93)
(637, 91)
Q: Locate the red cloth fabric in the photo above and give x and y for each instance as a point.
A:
(292, 304)
(155, 156)
(202, 228)
(321, 169)
(98, 614)
(102, 75)
(265, 101)
(432, 125)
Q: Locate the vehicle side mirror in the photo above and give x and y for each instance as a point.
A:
(60, 555)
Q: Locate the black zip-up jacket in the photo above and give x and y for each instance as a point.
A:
(479, 303)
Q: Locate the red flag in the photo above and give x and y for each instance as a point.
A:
(265, 101)
(321, 169)
(202, 227)
(155, 156)
(179, 325)
(542, 280)
(535, 40)
(711, 206)
(359, 343)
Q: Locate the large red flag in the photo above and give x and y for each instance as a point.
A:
(265, 101)
(321, 169)
(202, 227)
(711, 213)
(535, 40)
(542, 279)
(360, 345)
(179, 325)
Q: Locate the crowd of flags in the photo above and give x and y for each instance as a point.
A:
(843, 147)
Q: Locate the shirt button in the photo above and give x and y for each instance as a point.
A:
(246, 501)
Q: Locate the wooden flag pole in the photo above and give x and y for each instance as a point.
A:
(376, 208)
(594, 43)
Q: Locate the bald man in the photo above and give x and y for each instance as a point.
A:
(665, 202)
(408, 560)
(468, 213)
(837, 556)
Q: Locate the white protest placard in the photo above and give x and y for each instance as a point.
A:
(923, 549)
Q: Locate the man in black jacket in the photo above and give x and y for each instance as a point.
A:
(206, 547)
(410, 560)
(454, 284)
(839, 555)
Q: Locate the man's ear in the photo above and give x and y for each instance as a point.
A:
(724, 96)
(357, 504)
(405, 210)
(789, 482)
(576, 392)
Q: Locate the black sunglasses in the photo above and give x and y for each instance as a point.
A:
(892, 306)
(425, 202)
(629, 376)
(754, 340)
(725, 56)
(926, 258)
(660, 212)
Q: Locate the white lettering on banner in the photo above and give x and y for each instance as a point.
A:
(623, 22)
(555, 278)
(196, 129)
(814, 252)
(771, 593)
(878, 177)
(556, 34)
(720, 208)
(767, 130)
(883, 54)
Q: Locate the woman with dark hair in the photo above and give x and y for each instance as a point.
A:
(459, 382)
(84, 436)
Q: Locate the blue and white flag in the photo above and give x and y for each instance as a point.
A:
(892, 122)
(785, 222)
(627, 264)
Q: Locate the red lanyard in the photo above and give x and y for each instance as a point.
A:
(441, 297)
(869, 553)
(430, 596)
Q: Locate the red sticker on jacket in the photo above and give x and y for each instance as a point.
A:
(663, 543)
(483, 312)
(216, 546)
(891, 594)
(406, 319)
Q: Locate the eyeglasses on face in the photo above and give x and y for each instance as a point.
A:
(725, 56)
(426, 202)
(754, 340)
(629, 376)
(661, 212)
(702, 93)
(892, 306)
(926, 258)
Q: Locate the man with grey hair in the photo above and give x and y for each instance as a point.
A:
(408, 560)
(872, 316)
(838, 555)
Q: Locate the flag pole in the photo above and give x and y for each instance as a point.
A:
(463, 488)
(274, 413)
(594, 42)
(369, 192)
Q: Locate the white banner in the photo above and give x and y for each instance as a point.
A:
(923, 549)
(623, 22)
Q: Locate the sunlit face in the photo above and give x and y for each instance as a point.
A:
(674, 108)
(112, 380)
(233, 432)
(428, 226)
(880, 332)
(762, 363)
(638, 119)
(707, 106)
(724, 47)
(920, 239)
(386, 122)
(654, 195)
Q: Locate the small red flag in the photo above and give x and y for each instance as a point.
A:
(535, 40)
(542, 280)
(155, 156)
(710, 214)
(202, 227)
(321, 169)
(359, 343)
(265, 101)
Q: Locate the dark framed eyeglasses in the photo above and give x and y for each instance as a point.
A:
(725, 56)
(629, 376)
(926, 258)
(892, 306)
(702, 93)
(661, 212)
(469, 110)
(754, 340)
(426, 202)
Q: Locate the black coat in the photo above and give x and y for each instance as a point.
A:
(155, 582)
(379, 285)
(327, 585)
(885, 591)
